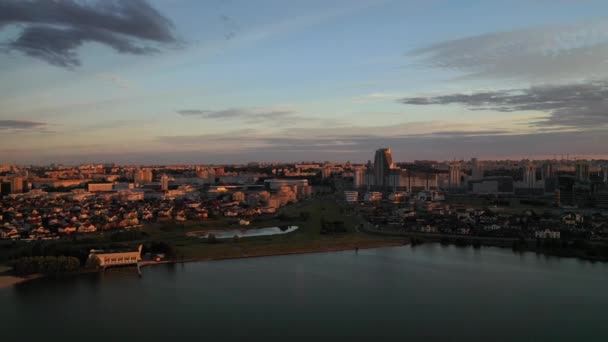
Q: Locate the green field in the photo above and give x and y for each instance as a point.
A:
(307, 237)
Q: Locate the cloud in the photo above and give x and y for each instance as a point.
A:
(236, 135)
(374, 97)
(193, 112)
(116, 80)
(249, 145)
(230, 26)
(579, 105)
(53, 30)
(239, 146)
(276, 116)
(544, 53)
(272, 116)
(470, 133)
(20, 124)
(247, 113)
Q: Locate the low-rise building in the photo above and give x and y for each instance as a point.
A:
(99, 187)
(105, 258)
(547, 234)
(373, 196)
(351, 196)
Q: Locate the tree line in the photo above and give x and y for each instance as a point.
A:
(45, 265)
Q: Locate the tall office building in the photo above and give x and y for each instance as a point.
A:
(325, 172)
(138, 176)
(143, 176)
(16, 185)
(566, 189)
(548, 174)
(601, 198)
(369, 177)
(454, 176)
(476, 169)
(548, 171)
(219, 171)
(581, 193)
(383, 162)
(394, 179)
(530, 176)
(605, 173)
(582, 171)
(359, 177)
(164, 183)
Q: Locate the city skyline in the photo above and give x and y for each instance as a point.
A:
(172, 82)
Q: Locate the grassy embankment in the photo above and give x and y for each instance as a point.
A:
(307, 238)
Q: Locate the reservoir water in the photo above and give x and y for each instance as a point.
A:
(423, 293)
(244, 233)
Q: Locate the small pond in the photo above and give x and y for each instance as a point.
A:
(243, 233)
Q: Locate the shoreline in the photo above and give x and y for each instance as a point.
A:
(501, 242)
(8, 280)
(262, 254)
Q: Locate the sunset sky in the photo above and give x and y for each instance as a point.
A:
(188, 81)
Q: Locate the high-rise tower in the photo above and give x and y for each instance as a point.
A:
(530, 176)
(454, 176)
(476, 169)
(383, 162)
(16, 185)
(359, 177)
(548, 171)
(582, 172)
(164, 182)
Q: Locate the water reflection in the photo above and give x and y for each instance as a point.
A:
(401, 293)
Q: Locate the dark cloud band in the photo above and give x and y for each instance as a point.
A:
(581, 105)
(440, 145)
(20, 124)
(53, 30)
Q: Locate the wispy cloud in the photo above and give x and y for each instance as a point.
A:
(253, 145)
(274, 116)
(20, 124)
(579, 105)
(244, 145)
(115, 79)
(224, 141)
(478, 133)
(230, 25)
(53, 30)
(543, 53)
(374, 97)
(249, 114)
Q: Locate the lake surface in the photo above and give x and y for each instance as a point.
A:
(243, 233)
(423, 293)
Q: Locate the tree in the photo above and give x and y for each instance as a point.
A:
(283, 217)
(45, 265)
(211, 238)
(164, 248)
(304, 216)
(73, 264)
(339, 226)
(93, 262)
